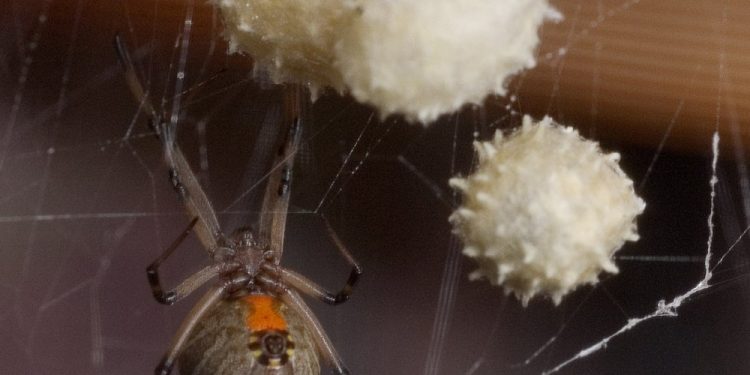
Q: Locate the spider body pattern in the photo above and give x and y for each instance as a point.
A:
(253, 321)
(255, 334)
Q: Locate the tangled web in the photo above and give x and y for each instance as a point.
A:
(85, 203)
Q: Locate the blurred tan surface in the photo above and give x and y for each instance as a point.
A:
(614, 69)
(631, 67)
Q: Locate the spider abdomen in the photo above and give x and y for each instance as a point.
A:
(251, 335)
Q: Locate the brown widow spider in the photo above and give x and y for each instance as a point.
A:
(253, 321)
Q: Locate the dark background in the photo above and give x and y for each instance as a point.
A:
(85, 203)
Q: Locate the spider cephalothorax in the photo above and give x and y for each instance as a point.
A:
(244, 254)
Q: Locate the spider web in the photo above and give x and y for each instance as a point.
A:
(85, 203)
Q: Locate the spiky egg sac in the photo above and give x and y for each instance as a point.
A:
(417, 58)
(544, 211)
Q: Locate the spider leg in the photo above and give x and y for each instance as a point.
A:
(277, 194)
(178, 341)
(180, 175)
(190, 284)
(295, 302)
(309, 287)
(346, 291)
(187, 286)
(136, 88)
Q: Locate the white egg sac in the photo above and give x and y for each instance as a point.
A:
(417, 58)
(544, 211)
